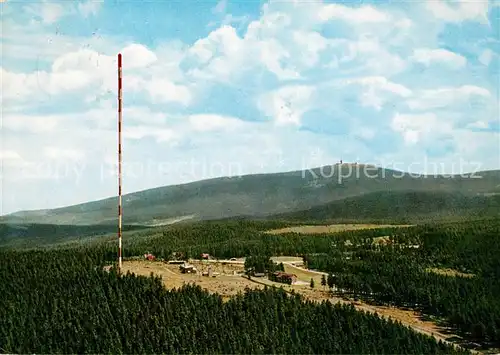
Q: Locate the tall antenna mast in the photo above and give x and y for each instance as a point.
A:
(119, 163)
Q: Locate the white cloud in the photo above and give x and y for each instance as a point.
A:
(381, 83)
(224, 41)
(143, 114)
(459, 11)
(210, 122)
(284, 43)
(482, 148)
(486, 56)
(30, 123)
(237, 21)
(137, 56)
(429, 56)
(223, 55)
(9, 155)
(163, 90)
(287, 104)
(359, 15)
(374, 91)
(367, 54)
(478, 125)
(160, 134)
(311, 44)
(85, 68)
(63, 153)
(18, 39)
(91, 7)
(446, 97)
(48, 12)
(83, 60)
(417, 127)
(70, 72)
(76, 124)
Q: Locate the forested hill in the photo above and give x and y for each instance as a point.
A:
(401, 206)
(259, 195)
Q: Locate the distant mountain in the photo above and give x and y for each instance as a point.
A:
(263, 195)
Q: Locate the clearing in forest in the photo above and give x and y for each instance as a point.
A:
(332, 228)
(229, 282)
(288, 259)
(448, 272)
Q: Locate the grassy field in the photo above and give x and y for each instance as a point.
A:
(332, 228)
(226, 284)
(449, 272)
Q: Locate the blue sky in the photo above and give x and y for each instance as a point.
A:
(217, 88)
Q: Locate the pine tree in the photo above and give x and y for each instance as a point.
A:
(330, 280)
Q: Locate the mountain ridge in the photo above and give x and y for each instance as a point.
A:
(258, 195)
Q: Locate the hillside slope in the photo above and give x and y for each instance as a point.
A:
(402, 206)
(256, 195)
(35, 235)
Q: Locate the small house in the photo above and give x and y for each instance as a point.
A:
(187, 269)
(149, 257)
(283, 277)
(205, 256)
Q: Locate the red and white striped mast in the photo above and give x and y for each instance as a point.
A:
(119, 163)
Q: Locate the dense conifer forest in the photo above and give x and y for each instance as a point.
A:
(63, 302)
(399, 275)
(59, 300)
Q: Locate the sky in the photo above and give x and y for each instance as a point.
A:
(227, 88)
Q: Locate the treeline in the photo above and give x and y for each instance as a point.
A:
(401, 276)
(63, 302)
(236, 238)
